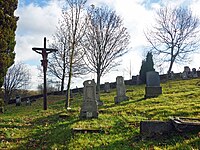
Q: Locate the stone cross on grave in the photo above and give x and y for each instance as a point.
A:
(44, 52)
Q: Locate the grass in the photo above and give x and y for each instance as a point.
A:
(30, 127)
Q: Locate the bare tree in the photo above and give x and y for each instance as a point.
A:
(59, 61)
(59, 64)
(17, 77)
(75, 24)
(175, 35)
(106, 40)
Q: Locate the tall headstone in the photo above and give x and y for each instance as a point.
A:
(107, 87)
(153, 88)
(121, 90)
(89, 108)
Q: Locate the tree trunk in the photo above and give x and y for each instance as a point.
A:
(99, 102)
(68, 86)
(170, 67)
(70, 76)
(98, 82)
(63, 81)
(62, 86)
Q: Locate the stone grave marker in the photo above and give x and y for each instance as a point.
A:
(153, 88)
(18, 101)
(89, 108)
(194, 73)
(121, 90)
(107, 87)
(186, 73)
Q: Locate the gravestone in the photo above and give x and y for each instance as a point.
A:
(121, 90)
(187, 69)
(18, 101)
(153, 88)
(89, 108)
(186, 73)
(107, 87)
(194, 73)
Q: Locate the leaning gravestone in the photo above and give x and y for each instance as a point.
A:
(18, 100)
(89, 108)
(153, 88)
(121, 90)
(107, 87)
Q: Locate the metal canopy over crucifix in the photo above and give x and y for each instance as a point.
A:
(44, 52)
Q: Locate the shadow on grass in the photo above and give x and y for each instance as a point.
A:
(122, 103)
(48, 132)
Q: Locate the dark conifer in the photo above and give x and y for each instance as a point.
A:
(8, 25)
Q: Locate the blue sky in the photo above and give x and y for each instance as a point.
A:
(38, 19)
(36, 2)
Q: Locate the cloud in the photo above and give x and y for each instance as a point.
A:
(36, 22)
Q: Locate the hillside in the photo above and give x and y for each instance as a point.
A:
(30, 127)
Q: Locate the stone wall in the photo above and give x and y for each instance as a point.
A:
(132, 81)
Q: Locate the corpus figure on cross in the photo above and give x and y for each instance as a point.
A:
(44, 52)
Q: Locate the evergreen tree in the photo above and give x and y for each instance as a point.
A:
(147, 65)
(8, 25)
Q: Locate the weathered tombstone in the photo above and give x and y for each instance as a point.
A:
(156, 128)
(153, 88)
(186, 73)
(194, 73)
(89, 108)
(107, 87)
(186, 69)
(18, 100)
(28, 102)
(121, 90)
(138, 80)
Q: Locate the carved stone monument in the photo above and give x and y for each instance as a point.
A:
(121, 90)
(107, 87)
(153, 88)
(89, 108)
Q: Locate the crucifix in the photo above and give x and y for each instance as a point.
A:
(44, 52)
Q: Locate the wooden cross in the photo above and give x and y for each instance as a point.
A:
(44, 62)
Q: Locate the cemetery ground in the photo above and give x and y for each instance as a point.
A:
(30, 127)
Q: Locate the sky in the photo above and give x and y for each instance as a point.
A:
(39, 18)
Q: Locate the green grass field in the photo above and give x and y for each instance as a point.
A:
(30, 127)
